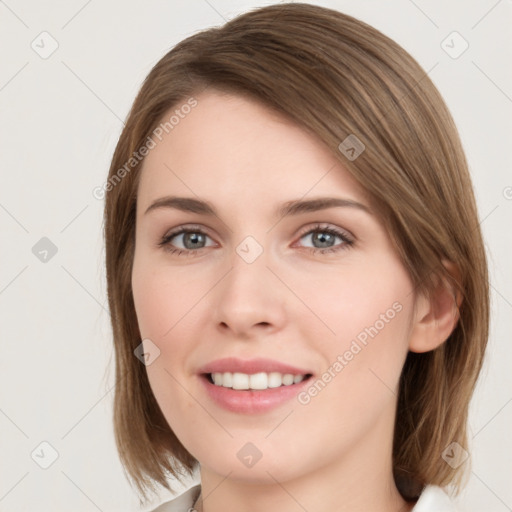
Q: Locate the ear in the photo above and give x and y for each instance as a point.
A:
(436, 318)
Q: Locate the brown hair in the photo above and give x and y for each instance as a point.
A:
(335, 76)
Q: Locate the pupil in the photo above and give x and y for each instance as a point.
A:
(195, 239)
(324, 239)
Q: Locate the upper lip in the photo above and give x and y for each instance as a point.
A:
(250, 366)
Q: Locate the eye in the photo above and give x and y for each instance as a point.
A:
(189, 240)
(325, 239)
(186, 240)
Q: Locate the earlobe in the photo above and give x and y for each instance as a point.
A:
(436, 317)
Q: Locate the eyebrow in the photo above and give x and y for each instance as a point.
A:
(294, 207)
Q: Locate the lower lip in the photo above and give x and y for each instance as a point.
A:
(252, 401)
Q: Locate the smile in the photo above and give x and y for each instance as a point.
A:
(259, 381)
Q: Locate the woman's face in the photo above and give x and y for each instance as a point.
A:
(283, 270)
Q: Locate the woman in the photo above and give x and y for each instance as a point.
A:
(296, 274)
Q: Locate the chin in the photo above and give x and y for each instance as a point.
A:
(261, 476)
(264, 471)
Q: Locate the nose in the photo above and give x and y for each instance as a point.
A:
(249, 300)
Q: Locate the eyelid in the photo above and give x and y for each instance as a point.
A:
(324, 226)
(164, 242)
(187, 227)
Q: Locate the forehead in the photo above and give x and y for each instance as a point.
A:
(229, 145)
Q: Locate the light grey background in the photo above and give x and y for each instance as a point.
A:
(60, 119)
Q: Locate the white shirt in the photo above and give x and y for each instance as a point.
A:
(432, 499)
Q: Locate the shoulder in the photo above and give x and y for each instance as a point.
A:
(434, 499)
(182, 503)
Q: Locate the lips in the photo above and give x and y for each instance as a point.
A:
(252, 386)
(251, 366)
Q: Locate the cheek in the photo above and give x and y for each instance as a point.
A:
(161, 298)
(167, 314)
(151, 303)
(161, 316)
(357, 301)
(370, 311)
(369, 308)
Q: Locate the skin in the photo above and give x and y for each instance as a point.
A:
(290, 304)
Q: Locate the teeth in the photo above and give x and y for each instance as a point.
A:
(256, 380)
(287, 379)
(275, 380)
(240, 381)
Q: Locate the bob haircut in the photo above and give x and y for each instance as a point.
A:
(334, 76)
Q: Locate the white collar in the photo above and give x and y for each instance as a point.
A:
(432, 499)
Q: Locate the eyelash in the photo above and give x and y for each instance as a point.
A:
(347, 241)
